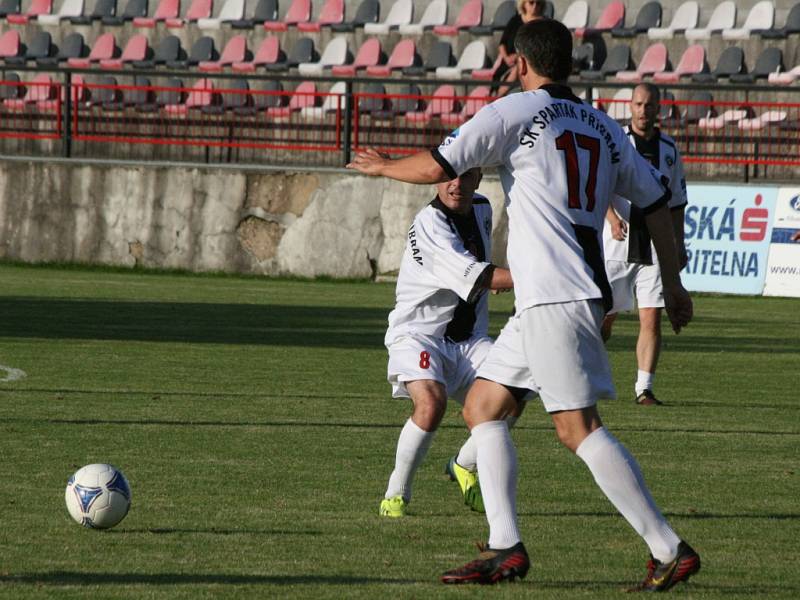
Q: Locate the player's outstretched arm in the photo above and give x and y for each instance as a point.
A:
(417, 168)
(677, 301)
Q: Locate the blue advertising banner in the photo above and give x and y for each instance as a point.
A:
(728, 231)
(783, 265)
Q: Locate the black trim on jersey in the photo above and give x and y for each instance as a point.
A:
(661, 201)
(446, 166)
(680, 206)
(639, 249)
(559, 91)
(462, 324)
(593, 256)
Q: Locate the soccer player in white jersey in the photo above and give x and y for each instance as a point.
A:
(437, 332)
(559, 162)
(631, 263)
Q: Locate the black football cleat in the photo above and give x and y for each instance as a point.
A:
(646, 398)
(492, 566)
(662, 576)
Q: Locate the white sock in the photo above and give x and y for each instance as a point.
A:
(468, 454)
(644, 381)
(412, 446)
(619, 476)
(497, 470)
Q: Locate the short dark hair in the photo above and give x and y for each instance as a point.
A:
(547, 46)
(651, 89)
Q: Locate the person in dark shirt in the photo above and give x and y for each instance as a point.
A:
(527, 11)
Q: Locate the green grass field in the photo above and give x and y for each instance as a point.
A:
(253, 421)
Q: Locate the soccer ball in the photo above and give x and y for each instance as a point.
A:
(98, 496)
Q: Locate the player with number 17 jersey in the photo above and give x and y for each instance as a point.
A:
(559, 171)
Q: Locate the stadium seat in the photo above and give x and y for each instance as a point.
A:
(102, 91)
(268, 52)
(103, 8)
(133, 96)
(232, 94)
(367, 14)
(234, 52)
(303, 51)
(201, 94)
(435, 14)
(232, 10)
(403, 100)
(785, 78)
(502, 15)
(169, 50)
(299, 12)
(701, 106)
(403, 55)
(649, 16)
(10, 47)
(473, 57)
(618, 59)
(37, 8)
(723, 17)
(731, 62)
(584, 58)
(335, 53)
(199, 9)
(41, 88)
(72, 46)
(766, 119)
(167, 9)
(620, 108)
(9, 7)
(470, 16)
(170, 93)
(371, 99)
(11, 88)
(401, 13)
(692, 61)
(477, 99)
(202, 50)
(760, 17)
(769, 61)
(667, 111)
(487, 74)
(792, 25)
(576, 16)
(654, 60)
(268, 94)
(304, 95)
(612, 17)
(133, 10)
(69, 9)
(442, 102)
(440, 54)
(137, 49)
(332, 13)
(105, 47)
(729, 117)
(40, 47)
(684, 18)
(368, 55)
(266, 10)
(333, 101)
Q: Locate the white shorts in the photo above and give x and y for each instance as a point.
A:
(631, 280)
(453, 364)
(555, 350)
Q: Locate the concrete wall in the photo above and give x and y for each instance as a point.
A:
(305, 224)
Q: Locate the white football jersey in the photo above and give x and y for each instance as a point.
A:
(559, 161)
(444, 258)
(661, 152)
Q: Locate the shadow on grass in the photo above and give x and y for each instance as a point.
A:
(77, 578)
(200, 323)
(679, 515)
(179, 531)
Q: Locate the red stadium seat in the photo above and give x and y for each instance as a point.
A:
(443, 102)
(299, 12)
(403, 55)
(653, 61)
(201, 94)
(477, 99)
(136, 49)
(369, 54)
(9, 44)
(167, 9)
(332, 13)
(268, 53)
(104, 48)
(200, 9)
(692, 61)
(304, 95)
(39, 89)
(488, 74)
(37, 7)
(470, 16)
(613, 16)
(234, 52)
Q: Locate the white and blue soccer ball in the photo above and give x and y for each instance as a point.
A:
(98, 496)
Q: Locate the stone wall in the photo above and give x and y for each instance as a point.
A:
(278, 223)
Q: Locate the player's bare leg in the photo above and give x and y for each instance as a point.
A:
(648, 349)
(505, 558)
(618, 475)
(430, 402)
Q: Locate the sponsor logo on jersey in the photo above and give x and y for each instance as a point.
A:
(416, 253)
(794, 203)
(450, 138)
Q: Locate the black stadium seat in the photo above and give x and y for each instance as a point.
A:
(505, 10)
(203, 50)
(9, 7)
(41, 47)
(266, 10)
(169, 50)
(10, 92)
(769, 61)
(400, 106)
(134, 9)
(439, 55)
(72, 46)
(103, 8)
(265, 101)
(791, 26)
(368, 105)
(369, 11)
(302, 52)
(649, 16)
(618, 59)
(731, 62)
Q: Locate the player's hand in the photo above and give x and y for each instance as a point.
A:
(501, 291)
(619, 230)
(796, 236)
(369, 162)
(678, 305)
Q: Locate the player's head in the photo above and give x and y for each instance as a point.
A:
(645, 104)
(457, 193)
(530, 8)
(545, 48)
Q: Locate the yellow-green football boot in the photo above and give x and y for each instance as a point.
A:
(468, 482)
(393, 507)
